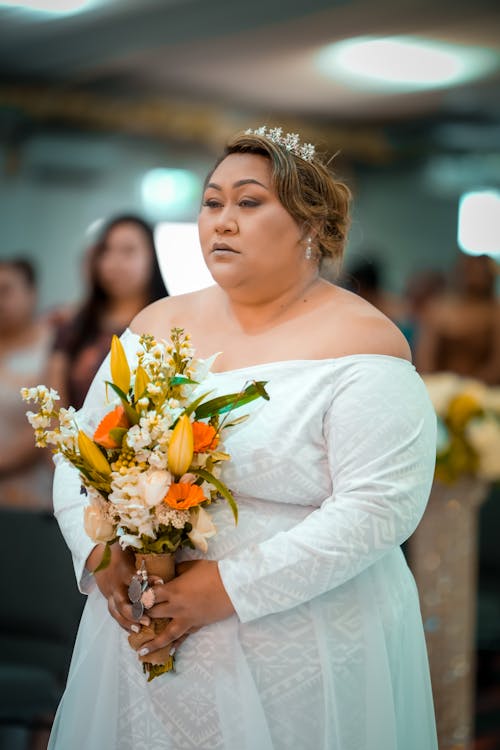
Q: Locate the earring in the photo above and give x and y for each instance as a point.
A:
(309, 251)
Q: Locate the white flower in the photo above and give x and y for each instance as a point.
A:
(38, 421)
(129, 540)
(203, 528)
(138, 437)
(166, 515)
(492, 399)
(442, 387)
(201, 367)
(158, 459)
(153, 486)
(99, 528)
(484, 436)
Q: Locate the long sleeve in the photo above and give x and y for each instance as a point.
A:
(69, 502)
(379, 434)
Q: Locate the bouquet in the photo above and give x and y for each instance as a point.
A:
(152, 467)
(468, 413)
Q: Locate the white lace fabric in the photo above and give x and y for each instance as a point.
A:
(326, 649)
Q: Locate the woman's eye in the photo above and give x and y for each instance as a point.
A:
(211, 203)
(247, 203)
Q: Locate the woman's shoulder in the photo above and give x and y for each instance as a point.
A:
(352, 326)
(159, 317)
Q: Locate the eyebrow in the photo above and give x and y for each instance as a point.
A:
(239, 183)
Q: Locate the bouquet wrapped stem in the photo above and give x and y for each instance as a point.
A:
(163, 566)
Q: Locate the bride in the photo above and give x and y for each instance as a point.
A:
(301, 626)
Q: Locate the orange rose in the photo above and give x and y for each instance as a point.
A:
(182, 496)
(116, 419)
(205, 437)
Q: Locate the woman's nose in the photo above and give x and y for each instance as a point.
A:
(226, 221)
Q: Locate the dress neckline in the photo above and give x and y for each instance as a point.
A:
(301, 362)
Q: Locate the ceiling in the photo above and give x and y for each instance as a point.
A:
(184, 60)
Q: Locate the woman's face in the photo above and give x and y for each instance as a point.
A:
(247, 236)
(124, 265)
(17, 299)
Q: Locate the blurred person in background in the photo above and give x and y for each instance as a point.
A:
(461, 330)
(25, 343)
(123, 277)
(421, 290)
(365, 279)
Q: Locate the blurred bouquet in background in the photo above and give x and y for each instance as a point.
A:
(468, 413)
(152, 465)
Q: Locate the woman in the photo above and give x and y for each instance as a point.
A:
(301, 627)
(124, 277)
(461, 330)
(25, 472)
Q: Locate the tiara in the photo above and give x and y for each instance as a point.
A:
(289, 141)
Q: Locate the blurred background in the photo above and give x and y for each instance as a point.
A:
(116, 109)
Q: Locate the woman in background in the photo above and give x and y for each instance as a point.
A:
(25, 342)
(124, 276)
(461, 330)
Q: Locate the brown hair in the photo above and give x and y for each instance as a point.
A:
(307, 189)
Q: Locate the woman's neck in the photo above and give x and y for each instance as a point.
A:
(256, 312)
(18, 336)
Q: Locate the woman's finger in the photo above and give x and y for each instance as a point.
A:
(172, 633)
(115, 612)
(184, 566)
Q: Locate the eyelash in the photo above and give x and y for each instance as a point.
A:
(246, 203)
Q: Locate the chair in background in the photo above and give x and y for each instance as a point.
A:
(40, 608)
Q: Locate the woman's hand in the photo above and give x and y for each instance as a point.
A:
(196, 597)
(113, 584)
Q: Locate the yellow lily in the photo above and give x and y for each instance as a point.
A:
(120, 370)
(141, 382)
(92, 455)
(180, 448)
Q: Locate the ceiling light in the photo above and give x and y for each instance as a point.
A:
(49, 6)
(404, 63)
(479, 222)
(170, 193)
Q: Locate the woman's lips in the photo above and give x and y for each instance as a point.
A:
(223, 250)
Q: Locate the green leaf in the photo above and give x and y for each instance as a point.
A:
(182, 380)
(236, 421)
(118, 433)
(259, 385)
(194, 405)
(106, 558)
(232, 401)
(220, 487)
(129, 410)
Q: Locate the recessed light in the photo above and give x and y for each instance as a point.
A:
(49, 6)
(404, 63)
(479, 222)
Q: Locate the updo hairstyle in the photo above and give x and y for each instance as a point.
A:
(308, 190)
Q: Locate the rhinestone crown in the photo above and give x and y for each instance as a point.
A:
(289, 141)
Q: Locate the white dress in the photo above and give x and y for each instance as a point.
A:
(326, 651)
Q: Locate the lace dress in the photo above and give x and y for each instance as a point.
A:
(326, 651)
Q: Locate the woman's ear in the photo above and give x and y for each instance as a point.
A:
(309, 232)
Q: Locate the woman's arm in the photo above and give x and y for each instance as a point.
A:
(381, 437)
